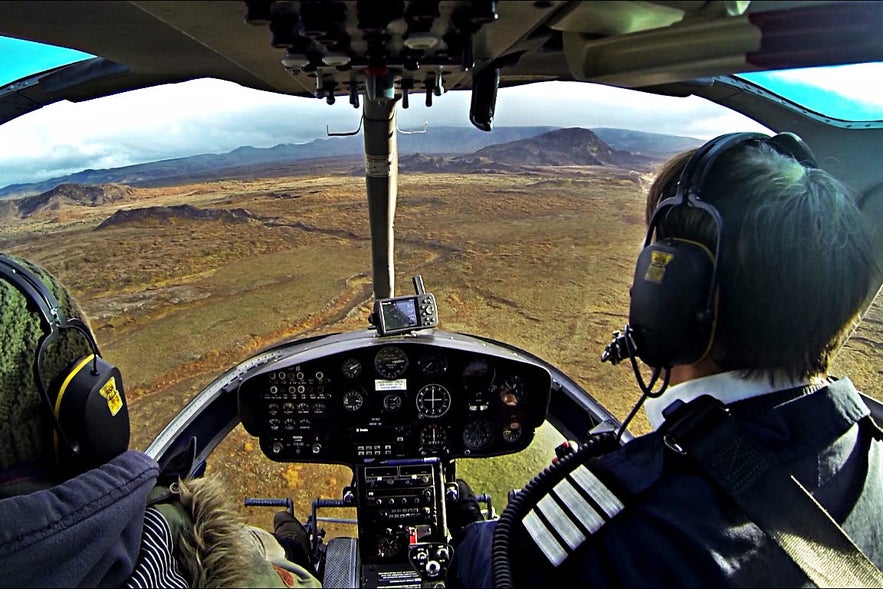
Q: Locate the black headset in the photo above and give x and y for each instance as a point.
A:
(673, 308)
(86, 402)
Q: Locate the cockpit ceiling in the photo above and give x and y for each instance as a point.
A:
(325, 48)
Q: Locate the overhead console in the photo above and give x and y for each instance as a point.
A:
(360, 399)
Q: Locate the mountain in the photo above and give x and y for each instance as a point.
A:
(164, 215)
(64, 196)
(574, 147)
(208, 166)
(565, 147)
(653, 145)
(562, 147)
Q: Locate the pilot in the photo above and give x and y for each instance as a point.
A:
(794, 270)
(77, 507)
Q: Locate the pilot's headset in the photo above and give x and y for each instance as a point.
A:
(86, 401)
(673, 307)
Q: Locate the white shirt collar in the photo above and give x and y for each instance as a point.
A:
(727, 387)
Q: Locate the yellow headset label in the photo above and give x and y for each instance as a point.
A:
(112, 395)
(656, 269)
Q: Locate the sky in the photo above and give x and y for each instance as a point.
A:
(213, 116)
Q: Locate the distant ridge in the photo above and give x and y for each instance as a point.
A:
(209, 166)
(627, 148)
(574, 146)
(163, 215)
(65, 195)
(653, 145)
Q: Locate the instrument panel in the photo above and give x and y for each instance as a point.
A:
(371, 399)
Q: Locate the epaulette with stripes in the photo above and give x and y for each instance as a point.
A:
(574, 509)
(559, 509)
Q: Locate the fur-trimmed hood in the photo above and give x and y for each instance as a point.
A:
(214, 545)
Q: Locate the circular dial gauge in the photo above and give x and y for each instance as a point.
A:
(478, 435)
(389, 545)
(392, 402)
(433, 437)
(353, 400)
(351, 368)
(433, 363)
(391, 362)
(433, 400)
(512, 391)
(512, 432)
(478, 374)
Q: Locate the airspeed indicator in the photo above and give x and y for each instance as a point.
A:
(391, 362)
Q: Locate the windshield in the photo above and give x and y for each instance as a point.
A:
(20, 58)
(847, 92)
(197, 235)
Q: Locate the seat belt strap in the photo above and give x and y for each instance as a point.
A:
(704, 431)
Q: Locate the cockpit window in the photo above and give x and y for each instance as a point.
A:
(19, 58)
(851, 93)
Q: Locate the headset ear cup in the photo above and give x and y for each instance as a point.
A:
(669, 312)
(90, 406)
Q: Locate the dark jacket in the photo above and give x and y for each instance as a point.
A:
(112, 527)
(669, 526)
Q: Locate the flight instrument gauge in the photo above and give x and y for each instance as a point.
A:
(392, 402)
(351, 368)
(478, 375)
(390, 545)
(432, 364)
(478, 434)
(391, 362)
(353, 400)
(512, 391)
(433, 438)
(512, 432)
(433, 400)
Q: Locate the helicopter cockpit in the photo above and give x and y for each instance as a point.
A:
(398, 403)
(404, 399)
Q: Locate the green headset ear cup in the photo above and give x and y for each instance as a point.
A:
(90, 406)
(668, 312)
(86, 401)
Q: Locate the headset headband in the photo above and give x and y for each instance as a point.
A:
(34, 290)
(695, 173)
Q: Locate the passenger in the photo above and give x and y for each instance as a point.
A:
(795, 269)
(77, 508)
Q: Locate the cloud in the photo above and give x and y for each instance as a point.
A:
(212, 116)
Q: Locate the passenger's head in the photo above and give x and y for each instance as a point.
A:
(796, 260)
(28, 437)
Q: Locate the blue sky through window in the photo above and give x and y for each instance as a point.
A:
(20, 58)
(846, 92)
